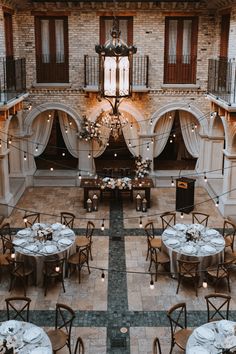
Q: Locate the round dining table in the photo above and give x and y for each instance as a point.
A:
(193, 242)
(36, 244)
(24, 338)
(213, 338)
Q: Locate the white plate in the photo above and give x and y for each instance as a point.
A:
(24, 233)
(38, 225)
(67, 232)
(204, 334)
(172, 242)
(65, 242)
(198, 227)
(211, 232)
(20, 242)
(49, 249)
(189, 249)
(170, 232)
(32, 335)
(40, 350)
(198, 349)
(180, 227)
(226, 326)
(30, 249)
(56, 226)
(217, 241)
(208, 249)
(9, 327)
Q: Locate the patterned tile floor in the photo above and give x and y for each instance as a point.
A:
(123, 299)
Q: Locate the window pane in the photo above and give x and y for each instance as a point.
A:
(172, 41)
(187, 34)
(123, 26)
(59, 33)
(45, 41)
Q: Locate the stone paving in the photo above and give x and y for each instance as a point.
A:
(123, 299)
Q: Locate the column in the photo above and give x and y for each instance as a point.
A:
(86, 160)
(146, 147)
(228, 199)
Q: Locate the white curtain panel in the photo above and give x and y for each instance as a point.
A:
(45, 41)
(172, 41)
(98, 149)
(69, 133)
(131, 136)
(162, 130)
(187, 34)
(59, 32)
(41, 132)
(191, 138)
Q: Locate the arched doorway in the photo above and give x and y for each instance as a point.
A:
(56, 155)
(175, 155)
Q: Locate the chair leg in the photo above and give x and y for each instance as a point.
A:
(179, 280)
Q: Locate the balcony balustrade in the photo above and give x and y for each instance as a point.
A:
(12, 78)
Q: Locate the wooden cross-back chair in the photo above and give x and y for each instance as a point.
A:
(83, 241)
(177, 315)
(19, 270)
(53, 269)
(61, 335)
(188, 270)
(79, 346)
(156, 346)
(67, 219)
(220, 273)
(158, 258)
(18, 308)
(229, 230)
(79, 260)
(152, 241)
(31, 218)
(217, 306)
(7, 246)
(200, 218)
(168, 219)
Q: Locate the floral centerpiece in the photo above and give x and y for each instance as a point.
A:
(108, 182)
(124, 183)
(90, 131)
(142, 167)
(192, 234)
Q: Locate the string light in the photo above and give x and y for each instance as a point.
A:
(172, 182)
(171, 140)
(10, 140)
(70, 122)
(25, 157)
(131, 125)
(147, 146)
(79, 175)
(63, 154)
(189, 106)
(182, 215)
(205, 177)
(129, 143)
(152, 287)
(115, 154)
(102, 225)
(51, 169)
(25, 220)
(217, 202)
(204, 284)
(66, 130)
(49, 117)
(170, 116)
(103, 276)
(108, 143)
(192, 129)
(36, 148)
(13, 255)
(140, 222)
(57, 269)
(151, 121)
(152, 141)
(0, 143)
(89, 155)
(195, 125)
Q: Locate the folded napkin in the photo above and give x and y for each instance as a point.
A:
(211, 232)
(24, 233)
(9, 327)
(67, 232)
(189, 249)
(20, 242)
(172, 242)
(32, 334)
(180, 227)
(56, 226)
(208, 249)
(49, 249)
(198, 349)
(218, 241)
(30, 249)
(204, 334)
(65, 242)
(170, 232)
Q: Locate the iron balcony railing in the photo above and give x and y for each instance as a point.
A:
(222, 79)
(140, 72)
(180, 69)
(12, 78)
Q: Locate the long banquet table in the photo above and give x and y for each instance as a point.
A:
(213, 338)
(32, 246)
(96, 184)
(24, 337)
(193, 242)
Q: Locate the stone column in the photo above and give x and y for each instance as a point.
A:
(228, 198)
(146, 147)
(86, 163)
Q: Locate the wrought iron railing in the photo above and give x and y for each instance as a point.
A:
(140, 72)
(222, 79)
(12, 78)
(180, 69)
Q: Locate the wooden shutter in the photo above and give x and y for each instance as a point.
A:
(8, 34)
(224, 36)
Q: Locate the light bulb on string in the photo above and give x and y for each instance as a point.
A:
(152, 141)
(131, 125)
(63, 154)
(170, 116)
(172, 182)
(25, 156)
(79, 175)
(140, 222)
(115, 154)
(49, 117)
(108, 143)
(36, 148)
(103, 276)
(182, 215)
(152, 287)
(195, 126)
(66, 130)
(103, 225)
(0, 143)
(25, 220)
(51, 169)
(70, 122)
(147, 146)
(129, 143)
(89, 155)
(171, 140)
(204, 284)
(151, 122)
(189, 106)
(192, 129)
(217, 202)
(174, 135)
(10, 140)
(205, 177)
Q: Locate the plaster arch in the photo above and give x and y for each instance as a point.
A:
(47, 107)
(124, 107)
(217, 127)
(197, 113)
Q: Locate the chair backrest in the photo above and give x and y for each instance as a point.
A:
(156, 346)
(89, 229)
(168, 219)
(84, 255)
(54, 267)
(79, 347)
(31, 218)
(200, 218)
(229, 230)
(64, 318)
(177, 315)
(5, 234)
(17, 268)
(222, 270)
(67, 219)
(188, 269)
(149, 230)
(18, 308)
(217, 306)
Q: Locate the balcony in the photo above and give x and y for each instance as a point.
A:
(12, 79)
(140, 73)
(180, 69)
(222, 80)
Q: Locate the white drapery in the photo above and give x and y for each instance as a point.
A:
(59, 33)
(172, 41)
(131, 135)
(98, 149)
(41, 129)
(162, 129)
(191, 136)
(187, 37)
(45, 41)
(69, 133)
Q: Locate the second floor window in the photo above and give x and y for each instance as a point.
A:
(180, 50)
(125, 26)
(52, 49)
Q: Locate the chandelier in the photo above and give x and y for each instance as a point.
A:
(115, 77)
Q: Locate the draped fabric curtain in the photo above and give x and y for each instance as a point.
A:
(187, 34)
(41, 132)
(98, 149)
(123, 26)
(59, 33)
(45, 41)
(131, 136)
(162, 129)
(191, 138)
(69, 133)
(172, 41)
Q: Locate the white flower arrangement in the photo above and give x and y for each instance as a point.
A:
(120, 183)
(90, 131)
(192, 234)
(142, 167)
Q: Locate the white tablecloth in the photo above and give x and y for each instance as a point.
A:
(206, 246)
(25, 337)
(31, 246)
(212, 338)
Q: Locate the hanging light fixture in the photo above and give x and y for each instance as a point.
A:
(115, 76)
